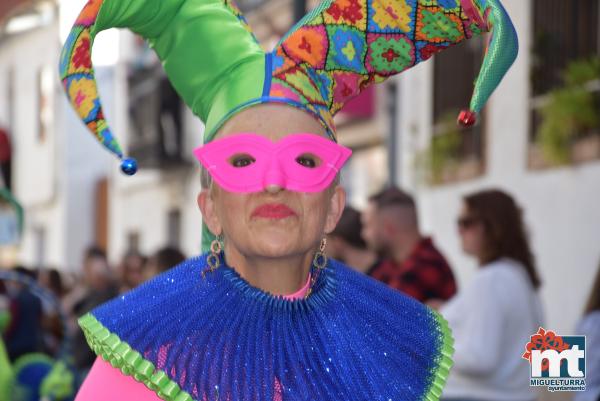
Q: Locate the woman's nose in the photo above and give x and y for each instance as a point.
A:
(274, 179)
(273, 188)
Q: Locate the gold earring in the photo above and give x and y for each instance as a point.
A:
(213, 260)
(320, 259)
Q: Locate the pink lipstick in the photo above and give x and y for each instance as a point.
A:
(273, 211)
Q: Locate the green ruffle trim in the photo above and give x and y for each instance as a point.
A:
(444, 363)
(121, 356)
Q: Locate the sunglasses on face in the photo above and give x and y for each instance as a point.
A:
(467, 222)
(248, 162)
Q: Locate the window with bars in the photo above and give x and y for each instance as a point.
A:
(156, 116)
(565, 82)
(563, 31)
(456, 153)
(155, 111)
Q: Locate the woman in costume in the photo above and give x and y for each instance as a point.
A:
(263, 314)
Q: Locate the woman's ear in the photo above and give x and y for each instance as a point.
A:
(336, 207)
(207, 207)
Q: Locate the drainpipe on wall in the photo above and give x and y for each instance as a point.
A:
(392, 137)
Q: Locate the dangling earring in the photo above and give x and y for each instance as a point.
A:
(213, 259)
(320, 259)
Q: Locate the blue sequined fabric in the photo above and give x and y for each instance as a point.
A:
(219, 338)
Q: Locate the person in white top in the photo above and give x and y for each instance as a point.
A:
(589, 326)
(493, 317)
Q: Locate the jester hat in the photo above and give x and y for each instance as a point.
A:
(341, 47)
(337, 50)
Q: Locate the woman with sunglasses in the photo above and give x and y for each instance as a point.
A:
(263, 314)
(493, 317)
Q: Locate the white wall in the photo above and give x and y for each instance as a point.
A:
(142, 205)
(561, 205)
(86, 163)
(53, 179)
(36, 182)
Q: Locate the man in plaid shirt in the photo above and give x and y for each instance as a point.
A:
(411, 263)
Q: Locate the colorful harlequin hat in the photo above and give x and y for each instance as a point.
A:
(341, 47)
(217, 66)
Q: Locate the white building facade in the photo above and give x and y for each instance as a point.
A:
(56, 164)
(560, 204)
(58, 167)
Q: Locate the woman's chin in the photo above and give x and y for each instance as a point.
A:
(274, 228)
(275, 243)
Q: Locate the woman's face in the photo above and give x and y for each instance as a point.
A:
(472, 233)
(274, 222)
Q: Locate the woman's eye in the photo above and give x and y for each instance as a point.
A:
(242, 160)
(307, 161)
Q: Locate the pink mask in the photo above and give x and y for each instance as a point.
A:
(249, 162)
